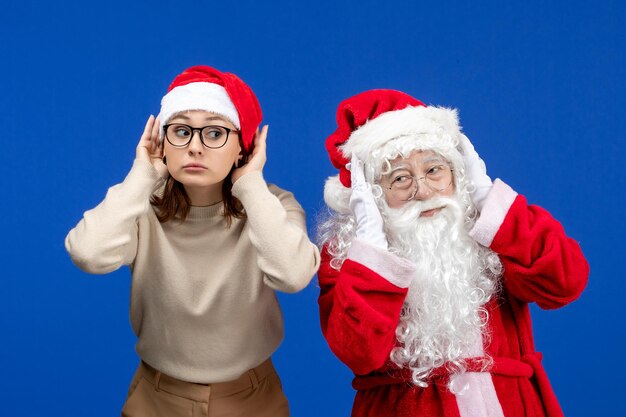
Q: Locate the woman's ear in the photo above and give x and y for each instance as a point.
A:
(241, 161)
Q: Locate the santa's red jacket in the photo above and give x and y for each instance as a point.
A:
(360, 309)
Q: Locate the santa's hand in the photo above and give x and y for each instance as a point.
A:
(480, 183)
(369, 222)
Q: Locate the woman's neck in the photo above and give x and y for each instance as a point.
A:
(204, 196)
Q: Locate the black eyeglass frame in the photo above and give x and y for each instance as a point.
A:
(199, 130)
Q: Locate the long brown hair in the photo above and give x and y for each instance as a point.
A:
(175, 203)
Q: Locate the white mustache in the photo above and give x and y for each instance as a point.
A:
(410, 212)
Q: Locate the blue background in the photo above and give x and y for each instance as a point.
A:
(539, 85)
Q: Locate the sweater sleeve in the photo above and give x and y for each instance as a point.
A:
(359, 308)
(278, 231)
(106, 237)
(541, 263)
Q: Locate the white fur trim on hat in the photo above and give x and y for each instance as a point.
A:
(399, 132)
(336, 196)
(198, 96)
(434, 122)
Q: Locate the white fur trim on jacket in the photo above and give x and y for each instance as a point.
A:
(399, 271)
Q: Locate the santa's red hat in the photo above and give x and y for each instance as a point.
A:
(375, 125)
(205, 88)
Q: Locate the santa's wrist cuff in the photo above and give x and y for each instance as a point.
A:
(397, 270)
(497, 205)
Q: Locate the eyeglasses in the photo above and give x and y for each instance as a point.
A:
(179, 135)
(404, 187)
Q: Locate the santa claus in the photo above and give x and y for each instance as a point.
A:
(428, 268)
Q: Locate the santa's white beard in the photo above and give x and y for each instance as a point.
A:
(443, 319)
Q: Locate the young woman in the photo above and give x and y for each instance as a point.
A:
(208, 242)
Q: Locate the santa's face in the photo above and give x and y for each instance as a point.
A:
(420, 177)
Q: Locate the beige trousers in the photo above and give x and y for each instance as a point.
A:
(258, 392)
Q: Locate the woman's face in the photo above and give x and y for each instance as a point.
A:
(195, 165)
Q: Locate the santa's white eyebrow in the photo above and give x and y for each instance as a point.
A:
(399, 168)
(433, 158)
(426, 160)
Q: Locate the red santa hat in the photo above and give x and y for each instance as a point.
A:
(205, 88)
(380, 124)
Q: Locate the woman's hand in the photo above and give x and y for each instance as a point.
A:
(257, 159)
(149, 149)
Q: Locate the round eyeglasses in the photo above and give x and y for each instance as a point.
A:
(179, 135)
(404, 187)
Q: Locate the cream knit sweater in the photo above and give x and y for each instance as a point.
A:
(203, 305)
